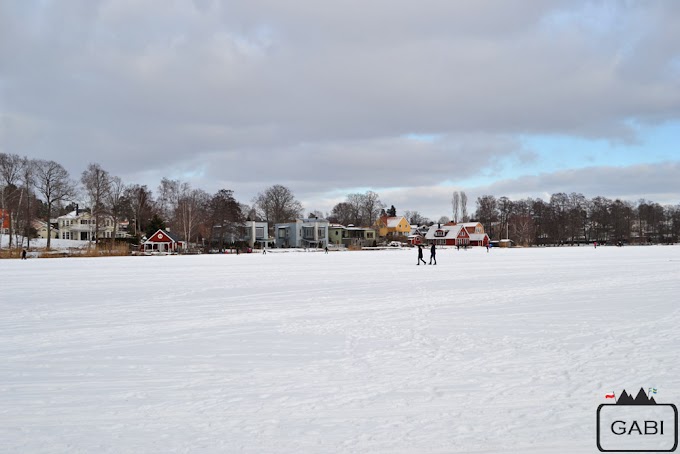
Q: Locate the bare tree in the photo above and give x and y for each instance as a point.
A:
(97, 184)
(139, 200)
(455, 204)
(370, 207)
(168, 197)
(225, 218)
(27, 180)
(191, 208)
(505, 210)
(463, 207)
(444, 220)
(53, 183)
(342, 213)
(277, 204)
(10, 172)
(355, 203)
(249, 212)
(487, 214)
(117, 204)
(415, 218)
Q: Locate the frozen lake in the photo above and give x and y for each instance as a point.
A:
(507, 351)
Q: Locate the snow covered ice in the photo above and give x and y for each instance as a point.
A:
(351, 352)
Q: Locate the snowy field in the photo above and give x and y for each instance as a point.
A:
(349, 352)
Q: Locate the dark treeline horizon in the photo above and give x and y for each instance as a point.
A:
(574, 219)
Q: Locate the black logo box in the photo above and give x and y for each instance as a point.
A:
(675, 428)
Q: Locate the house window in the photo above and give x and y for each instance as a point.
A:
(283, 233)
(321, 232)
(259, 232)
(307, 232)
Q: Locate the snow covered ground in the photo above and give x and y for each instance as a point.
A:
(41, 243)
(351, 352)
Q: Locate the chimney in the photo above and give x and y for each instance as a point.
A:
(77, 210)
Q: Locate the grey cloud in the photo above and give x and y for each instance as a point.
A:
(315, 94)
(657, 182)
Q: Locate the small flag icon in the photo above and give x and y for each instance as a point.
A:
(652, 390)
(610, 396)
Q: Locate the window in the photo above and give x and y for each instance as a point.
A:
(307, 232)
(259, 232)
(283, 233)
(321, 232)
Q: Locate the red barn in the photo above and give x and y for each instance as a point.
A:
(163, 242)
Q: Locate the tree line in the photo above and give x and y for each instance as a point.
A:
(33, 189)
(573, 219)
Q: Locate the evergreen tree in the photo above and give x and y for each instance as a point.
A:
(155, 224)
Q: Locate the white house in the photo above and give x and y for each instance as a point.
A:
(80, 225)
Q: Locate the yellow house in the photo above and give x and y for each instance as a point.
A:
(393, 226)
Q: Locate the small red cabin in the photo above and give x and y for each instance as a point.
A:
(163, 242)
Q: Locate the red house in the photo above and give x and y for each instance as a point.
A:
(467, 234)
(163, 242)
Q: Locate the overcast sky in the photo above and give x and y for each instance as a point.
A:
(412, 100)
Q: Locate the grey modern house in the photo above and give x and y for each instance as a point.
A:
(302, 233)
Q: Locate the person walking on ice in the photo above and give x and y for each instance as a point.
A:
(433, 253)
(420, 255)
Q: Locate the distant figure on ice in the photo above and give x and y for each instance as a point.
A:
(595, 244)
(420, 255)
(433, 253)
(487, 247)
(264, 249)
(326, 249)
(23, 254)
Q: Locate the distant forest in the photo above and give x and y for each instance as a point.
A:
(573, 219)
(32, 190)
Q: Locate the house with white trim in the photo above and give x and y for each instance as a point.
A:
(163, 242)
(463, 234)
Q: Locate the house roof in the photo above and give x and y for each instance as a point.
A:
(478, 236)
(173, 236)
(393, 222)
(70, 215)
(451, 231)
